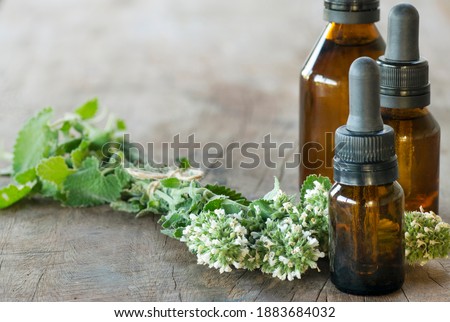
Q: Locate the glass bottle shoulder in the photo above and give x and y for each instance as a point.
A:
(339, 45)
(368, 196)
(416, 122)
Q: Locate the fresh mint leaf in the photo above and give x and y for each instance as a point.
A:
(123, 176)
(54, 170)
(213, 204)
(90, 187)
(68, 146)
(13, 193)
(79, 154)
(26, 176)
(88, 110)
(172, 183)
(34, 142)
(230, 193)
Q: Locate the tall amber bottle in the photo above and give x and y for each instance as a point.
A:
(350, 33)
(366, 203)
(405, 97)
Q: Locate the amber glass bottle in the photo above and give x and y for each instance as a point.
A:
(405, 97)
(417, 146)
(351, 33)
(366, 207)
(366, 238)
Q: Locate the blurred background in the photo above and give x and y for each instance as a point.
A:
(176, 67)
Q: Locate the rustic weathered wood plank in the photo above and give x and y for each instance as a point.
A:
(224, 72)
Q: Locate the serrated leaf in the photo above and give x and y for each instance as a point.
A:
(123, 176)
(90, 187)
(54, 170)
(213, 204)
(26, 176)
(79, 154)
(172, 183)
(34, 142)
(88, 110)
(230, 193)
(13, 193)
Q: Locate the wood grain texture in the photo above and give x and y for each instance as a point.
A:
(224, 71)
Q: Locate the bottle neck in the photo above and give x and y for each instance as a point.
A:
(404, 113)
(352, 34)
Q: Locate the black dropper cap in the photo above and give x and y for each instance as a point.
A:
(404, 74)
(352, 11)
(365, 147)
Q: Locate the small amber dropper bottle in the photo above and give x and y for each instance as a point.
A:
(405, 95)
(366, 206)
(350, 33)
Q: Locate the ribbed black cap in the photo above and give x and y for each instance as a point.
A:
(365, 147)
(352, 11)
(404, 74)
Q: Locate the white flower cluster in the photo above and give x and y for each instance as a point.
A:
(219, 240)
(285, 240)
(426, 237)
(268, 236)
(314, 215)
(288, 249)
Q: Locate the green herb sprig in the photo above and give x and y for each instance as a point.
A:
(80, 164)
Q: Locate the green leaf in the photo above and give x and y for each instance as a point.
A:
(124, 206)
(264, 208)
(79, 154)
(276, 188)
(171, 219)
(183, 164)
(13, 193)
(172, 183)
(213, 204)
(308, 184)
(26, 176)
(178, 233)
(68, 146)
(230, 193)
(54, 170)
(34, 142)
(121, 125)
(88, 110)
(90, 187)
(123, 176)
(65, 128)
(231, 207)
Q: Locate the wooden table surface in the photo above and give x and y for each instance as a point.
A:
(224, 71)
